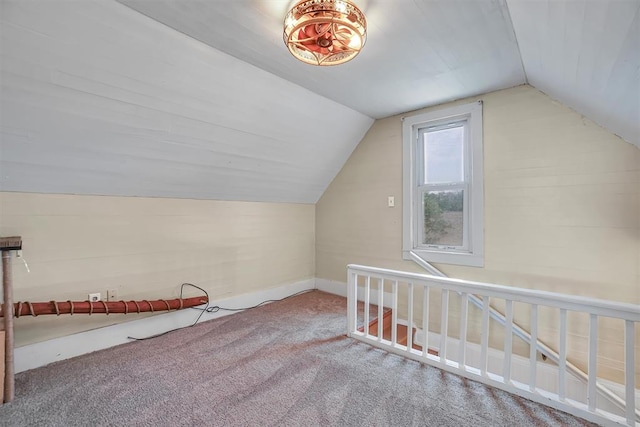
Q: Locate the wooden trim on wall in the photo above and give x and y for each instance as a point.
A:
(1, 366)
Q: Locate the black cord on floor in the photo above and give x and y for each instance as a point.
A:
(182, 327)
(214, 309)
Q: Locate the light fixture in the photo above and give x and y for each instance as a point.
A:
(325, 32)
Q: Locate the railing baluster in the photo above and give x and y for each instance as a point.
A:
(464, 306)
(394, 313)
(485, 335)
(380, 308)
(629, 372)
(410, 316)
(444, 322)
(352, 303)
(367, 290)
(508, 340)
(591, 366)
(425, 321)
(562, 351)
(556, 394)
(533, 348)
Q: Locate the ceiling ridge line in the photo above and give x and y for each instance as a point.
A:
(515, 36)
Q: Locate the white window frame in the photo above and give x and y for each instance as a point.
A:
(472, 251)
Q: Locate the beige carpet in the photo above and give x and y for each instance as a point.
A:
(284, 364)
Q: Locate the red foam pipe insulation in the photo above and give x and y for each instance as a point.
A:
(103, 307)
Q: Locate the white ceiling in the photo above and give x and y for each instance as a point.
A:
(417, 52)
(97, 98)
(585, 53)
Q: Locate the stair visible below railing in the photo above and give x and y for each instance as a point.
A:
(402, 336)
(378, 281)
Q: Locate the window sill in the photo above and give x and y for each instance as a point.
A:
(442, 257)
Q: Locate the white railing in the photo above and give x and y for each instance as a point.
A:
(479, 361)
(538, 345)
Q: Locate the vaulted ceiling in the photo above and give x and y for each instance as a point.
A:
(584, 53)
(417, 52)
(201, 99)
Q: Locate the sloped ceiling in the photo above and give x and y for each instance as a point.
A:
(419, 53)
(585, 54)
(200, 98)
(99, 99)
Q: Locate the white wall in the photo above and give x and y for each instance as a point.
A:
(562, 209)
(146, 248)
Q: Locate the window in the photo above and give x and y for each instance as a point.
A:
(443, 186)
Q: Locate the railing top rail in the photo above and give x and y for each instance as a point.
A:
(600, 307)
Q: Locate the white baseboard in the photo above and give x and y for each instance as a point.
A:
(332, 287)
(39, 354)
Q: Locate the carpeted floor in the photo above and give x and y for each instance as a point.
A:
(284, 364)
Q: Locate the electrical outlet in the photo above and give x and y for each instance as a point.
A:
(94, 297)
(112, 295)
(391, 201)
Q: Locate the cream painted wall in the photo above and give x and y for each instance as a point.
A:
(562, 208)
(146, 248)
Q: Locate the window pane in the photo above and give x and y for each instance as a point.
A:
(444, 155)
(443, 218)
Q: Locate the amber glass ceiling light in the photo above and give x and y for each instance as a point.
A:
(325, 32)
